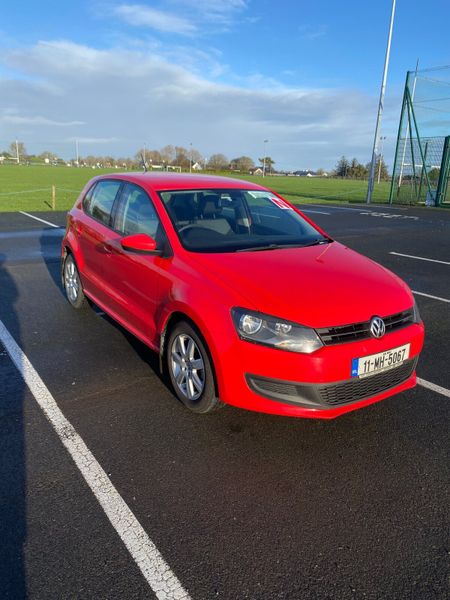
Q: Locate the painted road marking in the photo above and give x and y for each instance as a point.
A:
(143, 551)
(22, 212)
(434, 387)
(314, 212)
(397, 208)
(442, 262)
(385, 215)
(430, 296)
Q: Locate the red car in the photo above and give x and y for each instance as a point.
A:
(246, 300)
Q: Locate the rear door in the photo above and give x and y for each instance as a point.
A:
(95, 233)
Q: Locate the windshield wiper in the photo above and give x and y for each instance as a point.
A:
(260, 248)
(281, 246)
(318, 242)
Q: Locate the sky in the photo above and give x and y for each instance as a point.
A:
(221, 75)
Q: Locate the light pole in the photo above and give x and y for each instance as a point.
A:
(264, 158)
(380, 107)
(380, 157)
(190, 157)
(77, 153)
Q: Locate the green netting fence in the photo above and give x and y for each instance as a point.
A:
(422, 157)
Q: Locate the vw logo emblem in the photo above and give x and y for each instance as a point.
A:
(377, 327)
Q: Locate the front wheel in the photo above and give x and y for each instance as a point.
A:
(190, 369)
(72, 283)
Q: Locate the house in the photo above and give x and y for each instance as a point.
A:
(256, 171)
(197, 166)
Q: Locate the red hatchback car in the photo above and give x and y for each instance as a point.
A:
(246, 300)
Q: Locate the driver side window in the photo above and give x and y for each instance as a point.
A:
(136, 213)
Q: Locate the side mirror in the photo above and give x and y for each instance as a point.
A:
(141, 243)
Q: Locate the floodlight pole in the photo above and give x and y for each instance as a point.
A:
(76, 153)
(380, 157)
(264, 158)
(380, 108)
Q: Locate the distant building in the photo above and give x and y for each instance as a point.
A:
(256, 171)
(197, 166)
(305, 173)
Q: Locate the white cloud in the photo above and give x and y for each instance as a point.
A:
(36, 120)
(144, 16)
(92, 140)
(216, 14)
(312, 32)
(130, 97)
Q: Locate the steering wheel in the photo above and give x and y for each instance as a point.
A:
(196, 227)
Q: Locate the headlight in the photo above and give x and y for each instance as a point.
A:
(416, 313)
(270, 331)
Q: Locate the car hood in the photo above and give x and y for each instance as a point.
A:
(318, 286)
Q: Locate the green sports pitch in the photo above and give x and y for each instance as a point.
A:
(29, 188)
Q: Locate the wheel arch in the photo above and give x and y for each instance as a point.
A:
(172, 320)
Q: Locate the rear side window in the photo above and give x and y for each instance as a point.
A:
(100, 201)
(136, 212)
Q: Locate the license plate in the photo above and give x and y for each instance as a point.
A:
(375, 363)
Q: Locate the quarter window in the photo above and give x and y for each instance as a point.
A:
(102, 200)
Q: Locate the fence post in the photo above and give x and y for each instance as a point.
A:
(53, 197)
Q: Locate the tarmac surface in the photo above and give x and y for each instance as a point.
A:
(241, 505)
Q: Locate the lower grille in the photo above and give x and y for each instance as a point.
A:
(332, 394)
(357, 389)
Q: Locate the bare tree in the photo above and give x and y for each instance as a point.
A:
(242, 163)
(218, 162)
(18, 150)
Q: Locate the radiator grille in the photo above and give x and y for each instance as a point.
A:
(361, 331)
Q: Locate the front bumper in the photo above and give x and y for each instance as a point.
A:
(316, 385)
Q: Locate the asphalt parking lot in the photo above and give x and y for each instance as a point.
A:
(240, 505)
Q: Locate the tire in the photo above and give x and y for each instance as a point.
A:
(190, 369)
(72, 283)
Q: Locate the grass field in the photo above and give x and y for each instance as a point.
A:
(29, 187)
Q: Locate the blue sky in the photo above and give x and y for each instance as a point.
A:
(222, 75)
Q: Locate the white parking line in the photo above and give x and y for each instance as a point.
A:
(430, 296)
(442, 262)
(156, 571)
(22, 212)
(434, 387)
(337, 207)
(314, 212)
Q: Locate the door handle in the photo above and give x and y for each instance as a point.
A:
(107, 249)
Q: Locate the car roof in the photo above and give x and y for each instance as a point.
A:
(181, 181)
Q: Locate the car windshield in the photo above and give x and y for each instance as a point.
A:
(232, 220)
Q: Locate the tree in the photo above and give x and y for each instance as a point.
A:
(242, 163)
(433, 174)
(267, 163)
(342, 167)
(356, 170)
(17, 148)
(181, 157)
(47, 156)
(167, 154)
(218, 162)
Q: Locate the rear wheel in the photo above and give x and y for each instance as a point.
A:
(72, 283)
(190, 369)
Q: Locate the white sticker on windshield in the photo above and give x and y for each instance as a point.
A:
(280, 203)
